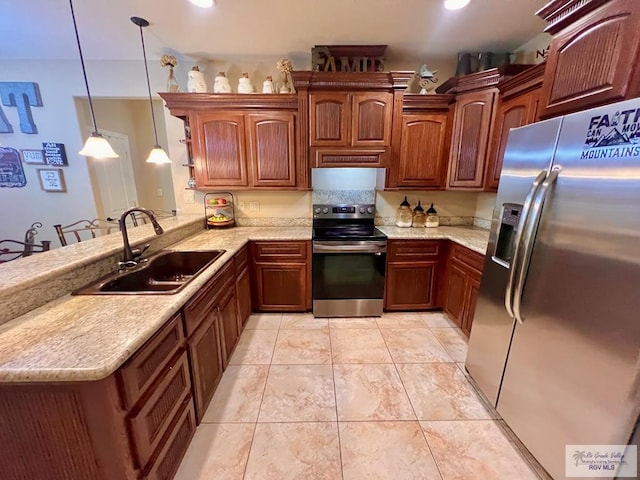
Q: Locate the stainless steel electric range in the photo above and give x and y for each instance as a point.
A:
(349, 257)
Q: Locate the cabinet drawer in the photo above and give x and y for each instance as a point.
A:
(144, 367)
(284, 251)
(241, 259)
(160, 406)
(349, 157)
(174, 445)
(414, 249)
(469, 258)
(199, 306)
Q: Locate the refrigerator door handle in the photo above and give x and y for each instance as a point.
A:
(524, 216)
(529, 240)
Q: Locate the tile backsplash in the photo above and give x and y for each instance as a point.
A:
(348, 197)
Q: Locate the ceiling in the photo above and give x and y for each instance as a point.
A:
(42, 29)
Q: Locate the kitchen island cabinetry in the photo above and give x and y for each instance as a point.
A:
(593, 57)
(518, 105)
(282, 276)
(242, 141)
(462, 283)
(413, 274)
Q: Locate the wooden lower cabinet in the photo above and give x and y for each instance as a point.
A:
(227, 312)
(205, 355)
(413, 274)
(462, 284)
(282, 276)
(243, 297)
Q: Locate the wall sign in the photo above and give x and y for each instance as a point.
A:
(23, 96)
(55, 154)
(33, 156)
(348, 58)
(52, 179)
(11, 171)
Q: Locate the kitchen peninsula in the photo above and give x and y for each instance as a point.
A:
(127, 366)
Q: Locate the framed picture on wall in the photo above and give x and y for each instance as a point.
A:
(52, 179)
(33, 156)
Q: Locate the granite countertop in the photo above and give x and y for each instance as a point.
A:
(474, 238)
(88, 337)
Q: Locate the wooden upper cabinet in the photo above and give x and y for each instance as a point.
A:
(220, 150)
(423, 150)
(371, 119)
(272, 146)
(471, 126)
(330, 113)
(358, 119)
(593, 57)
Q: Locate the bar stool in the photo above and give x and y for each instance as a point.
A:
(85, 229)
(14, 249)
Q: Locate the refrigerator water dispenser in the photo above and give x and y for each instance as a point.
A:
(507, 234)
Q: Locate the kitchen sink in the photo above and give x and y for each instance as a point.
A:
(166, 272)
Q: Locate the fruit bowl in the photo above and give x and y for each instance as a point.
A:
(221, 223)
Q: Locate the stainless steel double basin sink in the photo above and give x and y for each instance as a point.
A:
(166, 272)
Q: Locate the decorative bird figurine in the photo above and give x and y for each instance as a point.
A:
(426, 76)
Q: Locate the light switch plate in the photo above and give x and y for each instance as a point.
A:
(254, 206)
(241, 205)
(188, 197)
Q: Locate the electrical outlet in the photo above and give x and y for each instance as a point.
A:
(254, 206)
(241, 205)
(188, 197)
(159, 192)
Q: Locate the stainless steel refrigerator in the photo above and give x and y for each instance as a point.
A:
(555, 342)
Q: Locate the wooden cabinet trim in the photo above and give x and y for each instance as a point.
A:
(152, 419)
(143, 368)
(361, 157)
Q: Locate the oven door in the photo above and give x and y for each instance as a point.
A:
(348, 278)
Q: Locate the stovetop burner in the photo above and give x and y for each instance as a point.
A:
(345, 222)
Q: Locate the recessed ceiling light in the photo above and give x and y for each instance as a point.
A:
(203, 3)
(453, 4)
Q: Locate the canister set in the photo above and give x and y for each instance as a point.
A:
(406, 217)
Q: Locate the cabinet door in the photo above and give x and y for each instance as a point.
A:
(281, 287)
(455, 293)
(411, 285)
(206, 362)
(220, 150)
(512, 113)
(424, 150)
(472, 289)
(243, 297)
(228, 318)
(329, 122)
(594, 61)
(371, 119)
(272, 146)
(471, 126)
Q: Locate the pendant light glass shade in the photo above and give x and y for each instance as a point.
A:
(202, 3)
(97, 146)
(158, 156)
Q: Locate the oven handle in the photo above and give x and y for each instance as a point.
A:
(350, 247)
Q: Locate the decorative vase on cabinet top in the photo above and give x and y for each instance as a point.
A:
(267, 85)
(221, 84)
(196, 82)
(245, 85)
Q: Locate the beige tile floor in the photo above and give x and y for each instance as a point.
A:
(349, 399)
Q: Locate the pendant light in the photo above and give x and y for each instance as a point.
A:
(157, 154)
(96, 145)
(455, 4)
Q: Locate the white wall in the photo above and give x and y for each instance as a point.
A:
(57, 121)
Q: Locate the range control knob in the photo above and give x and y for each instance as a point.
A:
(317, 210)
(325, 210)
(362, 210)
(369, 210)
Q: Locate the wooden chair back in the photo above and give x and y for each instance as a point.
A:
(140, 218)
(14, 249)
(85, 230)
